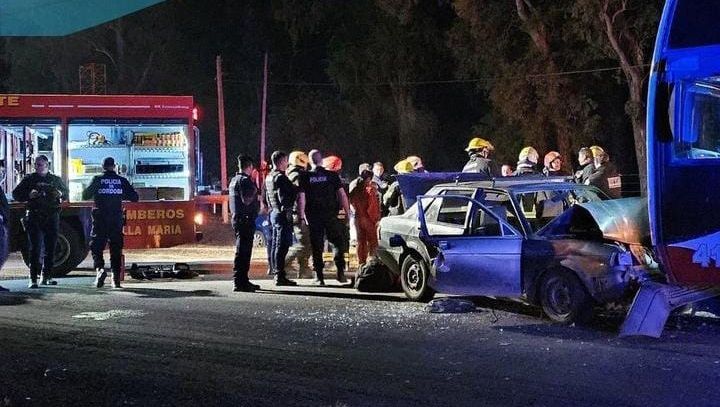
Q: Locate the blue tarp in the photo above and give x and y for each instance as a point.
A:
(59, 18)
(414, 184)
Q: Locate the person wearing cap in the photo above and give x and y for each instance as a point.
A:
(321, 198)
(244, 200)
(393, 199)
(108, 191)
(553, 165)
(364, 200)
(301, 249)
(43, 193)
(479, 151)
(281, 196)
(527, 162)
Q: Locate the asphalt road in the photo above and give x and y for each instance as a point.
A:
(196, 343)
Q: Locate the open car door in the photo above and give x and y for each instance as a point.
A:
(476, 252)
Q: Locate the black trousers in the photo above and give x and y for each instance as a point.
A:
(107, 231)
(244, 234)
(282, 238)
(332, 228)
(42, 233)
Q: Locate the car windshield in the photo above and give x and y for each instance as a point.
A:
(540, 207)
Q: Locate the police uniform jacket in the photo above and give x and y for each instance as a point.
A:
(51, 188)
(280, 192)
(242, 188)
(320, 187)
(108, 191)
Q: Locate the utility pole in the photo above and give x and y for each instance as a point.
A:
(221, 134)
(263, 110)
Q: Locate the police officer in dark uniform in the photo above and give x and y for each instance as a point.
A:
(245, 206)
(301, 249)
(4, 212)
(43, 193)
(479, 161)
(108, 191)
(281, 195)
(321, 198)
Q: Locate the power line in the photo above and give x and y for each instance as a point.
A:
(440, 81)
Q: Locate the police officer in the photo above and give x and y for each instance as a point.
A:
(281, 196)
(4, 211)
(108, 191)
(245, 206)
(479, 151)
(43, 193)
(301, 250)
(321, 198)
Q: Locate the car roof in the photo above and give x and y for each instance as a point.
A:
(519, 184)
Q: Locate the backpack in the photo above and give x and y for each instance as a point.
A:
(375, 277)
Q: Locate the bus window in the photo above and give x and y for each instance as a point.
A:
(699, 137)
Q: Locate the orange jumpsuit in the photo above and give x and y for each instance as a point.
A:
(366, 202)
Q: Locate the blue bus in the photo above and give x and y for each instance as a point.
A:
(683, 146)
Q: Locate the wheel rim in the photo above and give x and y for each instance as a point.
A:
(414, 277)
(62, 251)
(559, 296)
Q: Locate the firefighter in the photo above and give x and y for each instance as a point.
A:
(4, 211)
(43, 193)
(585, 159)
(245, 206)
(108, 191)
(364, 199)
(417, 163)
(322, 197)
(553, 165)
(281, 195)
(479, 151)
(604, 175)
(527, 161)
(301, 250)
(393, 199)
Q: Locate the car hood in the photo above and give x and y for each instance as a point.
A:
(622, 220)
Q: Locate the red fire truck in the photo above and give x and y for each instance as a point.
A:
(154, 143)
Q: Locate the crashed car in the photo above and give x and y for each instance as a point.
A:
(558, 245)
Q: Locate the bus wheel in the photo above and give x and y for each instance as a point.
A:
(69, 251)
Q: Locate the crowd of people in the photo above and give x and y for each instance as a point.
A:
(309, 204)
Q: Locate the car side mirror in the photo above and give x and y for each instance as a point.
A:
(396, 241)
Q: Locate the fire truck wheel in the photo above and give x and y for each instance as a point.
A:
(69, 251)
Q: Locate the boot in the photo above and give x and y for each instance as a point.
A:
(100, 277)
(341, 276)
(281, 280)
(115, 279)
(45, 279)
(33, 283)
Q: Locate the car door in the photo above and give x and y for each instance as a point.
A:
(476, 252)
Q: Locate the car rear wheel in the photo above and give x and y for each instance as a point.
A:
(414, 277)
(564, 299)
(259, 239)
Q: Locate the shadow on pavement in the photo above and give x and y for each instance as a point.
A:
(335, 294)
(18, 298)
(165, 293)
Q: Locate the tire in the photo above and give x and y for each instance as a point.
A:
(414, 276)
(259, 239)
(69, 251)
(564, 299)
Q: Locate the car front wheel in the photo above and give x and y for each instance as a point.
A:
(414, 278)
(564, 299)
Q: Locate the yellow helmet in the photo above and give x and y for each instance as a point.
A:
(530, 154)
(415, 161)
(298, 159)
(403, 167)
(597, 151)
(478, 143)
